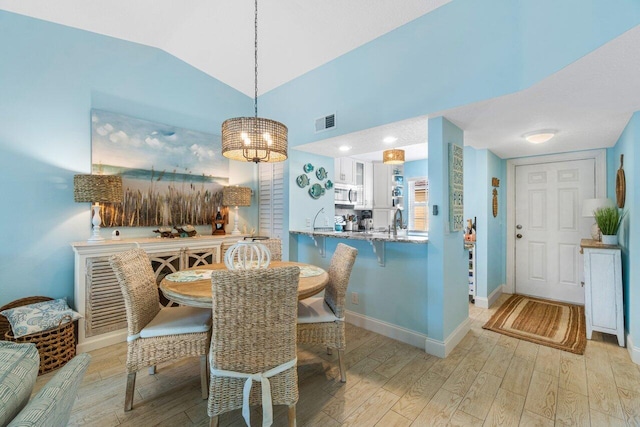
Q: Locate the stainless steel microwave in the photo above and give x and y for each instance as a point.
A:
(346, 195)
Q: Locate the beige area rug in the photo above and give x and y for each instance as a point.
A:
(550, 323)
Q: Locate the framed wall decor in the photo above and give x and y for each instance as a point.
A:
(170, 175)
(456, 187)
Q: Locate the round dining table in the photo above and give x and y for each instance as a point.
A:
(192, 287)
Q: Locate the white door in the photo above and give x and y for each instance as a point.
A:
(549, 226)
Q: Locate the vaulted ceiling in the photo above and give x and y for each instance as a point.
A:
(588, 102)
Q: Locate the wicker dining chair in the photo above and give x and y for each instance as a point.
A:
(275, 248)
(253, 337)
(321, 319)
(157, 334)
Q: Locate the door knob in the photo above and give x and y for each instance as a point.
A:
(519, 236)
(519, 227)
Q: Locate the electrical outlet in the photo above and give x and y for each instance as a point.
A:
(354, 298)
(308, 222)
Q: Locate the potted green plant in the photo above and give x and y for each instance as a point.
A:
(608, 220)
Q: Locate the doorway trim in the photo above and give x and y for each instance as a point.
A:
(600, 158)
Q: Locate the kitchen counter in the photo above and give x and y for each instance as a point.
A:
(359, 235)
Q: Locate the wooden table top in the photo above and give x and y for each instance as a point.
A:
(197, 293)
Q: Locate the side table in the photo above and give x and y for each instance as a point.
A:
(603, 289)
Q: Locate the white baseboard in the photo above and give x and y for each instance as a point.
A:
(442, 349)
(396, 332)
(634, 352)
(103, 340)
(488, 302)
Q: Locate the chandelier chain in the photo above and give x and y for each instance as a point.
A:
(255, 54)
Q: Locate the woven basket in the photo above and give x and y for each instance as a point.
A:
(56, 346)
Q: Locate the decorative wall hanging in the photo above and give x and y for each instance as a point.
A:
(316, 191)
(302, 180)
(308, 168)
(328, 185)
(495, 182)
(456, 187)
(621, 185)
(170, 175)
(321, 174)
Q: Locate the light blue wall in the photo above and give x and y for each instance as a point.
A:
(305, 207)
(416, 168)
(495, 226)
(447, 262)
(395, 293)
(480, 167)
(50, 78)
(629, 233)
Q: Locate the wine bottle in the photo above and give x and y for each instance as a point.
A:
(218, 220)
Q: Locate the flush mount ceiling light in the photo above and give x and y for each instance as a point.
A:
(539, 136)
(390, 140)
(254, 139)
(344, 148)
(393, 157)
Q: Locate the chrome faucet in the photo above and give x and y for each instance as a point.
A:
(395, 222)
(316, 217)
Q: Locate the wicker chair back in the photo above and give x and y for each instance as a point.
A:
(254, 330)
(339, 273)
(138, 285)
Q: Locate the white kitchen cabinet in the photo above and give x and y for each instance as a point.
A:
(603, 289)
(345, 170)
(382, 186)
(382, 218)
(367, 191)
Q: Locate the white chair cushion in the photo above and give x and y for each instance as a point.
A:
(315, 310)
(178, 320)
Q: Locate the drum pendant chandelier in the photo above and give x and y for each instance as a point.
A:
(254, 139)
(393, 157)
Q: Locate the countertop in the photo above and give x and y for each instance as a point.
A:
(371, 236)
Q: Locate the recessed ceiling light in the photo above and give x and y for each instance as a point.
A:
(539, 136)
(390, 140)
(344, 148)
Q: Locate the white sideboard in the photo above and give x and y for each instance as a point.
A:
(603, 289)
(97, 293)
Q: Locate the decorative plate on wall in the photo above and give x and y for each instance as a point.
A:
(302, 180)
(321, 174)
(316, 191)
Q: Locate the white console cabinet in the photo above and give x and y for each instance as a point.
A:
(603, 289)
(97, 293)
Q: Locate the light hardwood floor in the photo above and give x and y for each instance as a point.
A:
(488, 380)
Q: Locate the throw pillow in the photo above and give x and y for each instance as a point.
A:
(38, 317)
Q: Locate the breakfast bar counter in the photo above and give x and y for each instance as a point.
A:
(377, 240)
(378, 236)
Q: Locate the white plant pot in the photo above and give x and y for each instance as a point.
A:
(610, 239)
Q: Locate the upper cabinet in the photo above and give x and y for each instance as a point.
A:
(367, 192)
(382, 186)
(345, 170)
(388, 186)
(359, 174)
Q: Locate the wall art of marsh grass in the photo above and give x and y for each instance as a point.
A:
(170, 176)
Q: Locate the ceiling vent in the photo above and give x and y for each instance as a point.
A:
(326, 123)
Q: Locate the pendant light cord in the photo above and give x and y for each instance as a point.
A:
(255, 96)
